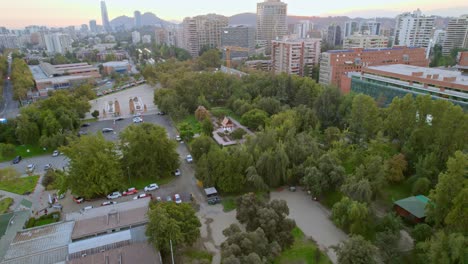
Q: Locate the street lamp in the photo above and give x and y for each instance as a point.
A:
(128, 173)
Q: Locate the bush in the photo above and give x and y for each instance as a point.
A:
(95, 113)
(238, 134)
(421, 186)
(7, 150)
(421, 232)
(49, 178)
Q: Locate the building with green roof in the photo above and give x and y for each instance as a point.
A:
(412, 208)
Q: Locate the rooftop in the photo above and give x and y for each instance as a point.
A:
(416, 205)
(123, 63)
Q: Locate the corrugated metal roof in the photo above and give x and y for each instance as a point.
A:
(40, 239)
(99, 241)
(416, 205)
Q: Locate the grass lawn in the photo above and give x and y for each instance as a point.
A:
(229, 203)
(193, 122)
(224, 111)
(5, 204)
(20, 185)
(302, 251)
(22, 151)
(394, 192)
(47, 221)
(194, 254)
(89, 120)
(331, 198)
(141, 183)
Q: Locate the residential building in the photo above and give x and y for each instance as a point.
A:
(161, 36)
(93, 26)
(239, 36)
(203, 31)
(350, 28)
(295, 56)
(9, 41)
(369, 27)
(109, 39)
(462, 62)
(105, 17)
(137, 17)
(136, 37)
(337, 63)
(303, 29)
(365, 42)
(412, 208)
(457, 35)
(334, 35)
(115, 54)
(389, 81)
(439, 37)
(261, 65)
(58, 43)
(121, 67)
(413, 29)
(146, 39)
(271, 22)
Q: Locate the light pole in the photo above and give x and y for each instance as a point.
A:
(128, 173)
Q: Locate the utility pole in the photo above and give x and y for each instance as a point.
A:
(128, 173)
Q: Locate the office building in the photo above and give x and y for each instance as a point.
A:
(239, 36)
(334, 64)
(350, 28)
(271, 22)
(93, 26)
(9, 41)
(203, 31)
(389, 81)
(105, 18)
(334, 35)
(365, 42)
(295, 56)
(137, 17)
(146, 39)
(58, 43)
(456, 35)
(136, 38)
(369, 27)
(413, 29)
(304, 29)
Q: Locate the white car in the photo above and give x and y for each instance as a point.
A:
(177, 172)
(114, 195)
(189, 158)
(178, 138)
(31, 167)
(137, 120)
(55, 153)
(151, 187)
(177, 199)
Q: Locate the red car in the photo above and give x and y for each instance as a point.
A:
(78, 200)
(130, 191)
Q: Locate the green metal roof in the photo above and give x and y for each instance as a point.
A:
(415, 205)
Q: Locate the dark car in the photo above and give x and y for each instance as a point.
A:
(85, 125)
(161, 113)
(17, 159)
(214, 200)
(119, 119)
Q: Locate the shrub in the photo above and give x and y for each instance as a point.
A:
(95, 113)
(421, 186)
(7, 150)
(238, 134)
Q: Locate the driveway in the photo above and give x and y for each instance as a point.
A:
(313, 219)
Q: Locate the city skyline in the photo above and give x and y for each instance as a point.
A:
(65, 13)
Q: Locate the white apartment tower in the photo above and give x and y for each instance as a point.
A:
(58, 43)
(271, 21)
(295, 56)
(303, 28)
(365, 42)
(456, 35)
(136, 37)
(413, 29)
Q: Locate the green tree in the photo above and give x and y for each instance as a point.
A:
(387, 242)
(148, 152)
(201, 145)
(351, 215)
(209, 59)
(395, 167)
(356, 250)
(421, 186)
(207, 127)
(254, 119)
(325, 177)
(421, 232)
(364, 120)
(171, 222)
(94, 168)
(445, 248)
(272, 165)
(95, 114)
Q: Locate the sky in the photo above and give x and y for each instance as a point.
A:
(20, 13)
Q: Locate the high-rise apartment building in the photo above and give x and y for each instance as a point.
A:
(136, 38)
(456, 35)
(58, 43)
(203, 31)
(350, 28)
(137, 17)
(9, 41)
(334, 35)
(413, 29)
(369, 27)
(303, 29)
(160, 36)
(271, 22)
(93, 26)
(335, 64)
(295, 56)
(365, 42)
(105, 18)
(239, 36)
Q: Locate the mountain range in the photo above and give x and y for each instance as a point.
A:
(147, 19)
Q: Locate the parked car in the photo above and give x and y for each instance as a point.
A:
(178, 138)
(55, 153)
(31, 167)
(177, 172)
(214, 200)
(86, 208)
(78, 199)
(151, 187)
(114, 195)
(161, 113)
(82, 133)
(119, 119)
(168, 198)
(177, 198)
(137, 120)
(108, 203)
(143, 195)
(189, 158)
(85, 125)
(17, 159)
(130, 191)
(57, 206)
(47, 167)
(107, 130)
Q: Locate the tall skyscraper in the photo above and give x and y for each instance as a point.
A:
(413, 29)
(93, 26)
(456, 35)
(271, 21)
(350, 28)
(137, 17)
(334, 35)
(105, 18)
(303, 28)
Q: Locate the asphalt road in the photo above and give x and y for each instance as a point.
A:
(8, 107)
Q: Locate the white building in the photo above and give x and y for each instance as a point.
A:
(413, 29)
(457, 34)
(9, 41)
(58, 43)
(365, 42)
(109, 39)
(295, 56)
(271, 21)
(350, 28)
(136, 37)
(303, 28)
(146, 39)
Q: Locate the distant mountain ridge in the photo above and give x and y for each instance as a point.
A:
(147, 19)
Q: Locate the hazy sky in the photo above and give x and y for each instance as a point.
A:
(20, 13)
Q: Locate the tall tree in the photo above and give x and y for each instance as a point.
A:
(326, 176)
(445, 248)
(356, 250)
(365, 118)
